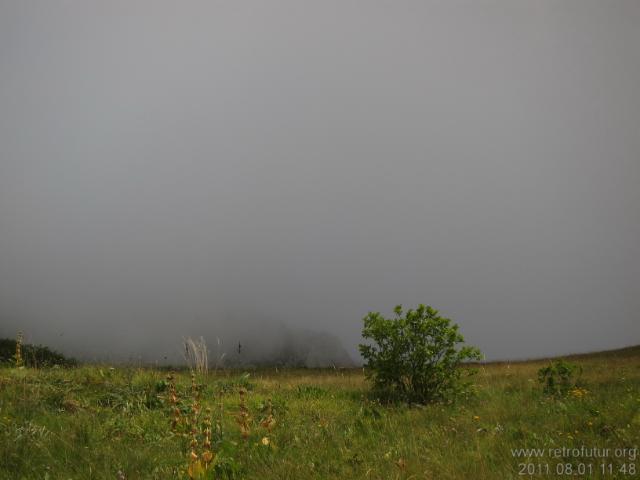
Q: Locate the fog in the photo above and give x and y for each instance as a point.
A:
(266, 173)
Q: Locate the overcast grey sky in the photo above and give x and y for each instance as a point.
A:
(187, 168)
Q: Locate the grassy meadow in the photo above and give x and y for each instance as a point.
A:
(102, 422)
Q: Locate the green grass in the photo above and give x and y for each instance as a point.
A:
(92, 422)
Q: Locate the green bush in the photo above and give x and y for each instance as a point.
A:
(558, 377)
(415, 357)
(33, 355)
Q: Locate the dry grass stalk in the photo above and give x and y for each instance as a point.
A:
(18, 356)
(243, 418)
(173, 400)
(196, 355)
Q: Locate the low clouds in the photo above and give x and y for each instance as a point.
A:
(219, 168)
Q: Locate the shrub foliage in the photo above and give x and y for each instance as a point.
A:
(33, 355)
(558, 377)
(415, 356)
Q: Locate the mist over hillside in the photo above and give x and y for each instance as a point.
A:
(285, 346)
(173, 169)
(243, 344)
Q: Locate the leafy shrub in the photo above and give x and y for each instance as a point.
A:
(558, 377)
(33, 355)
(161, 386)
(415, 357)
